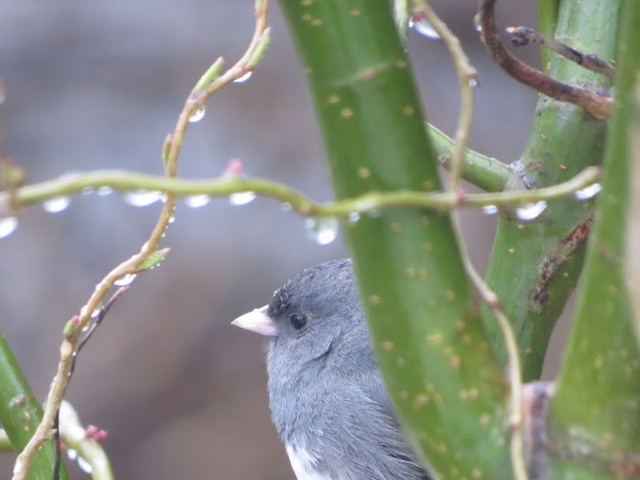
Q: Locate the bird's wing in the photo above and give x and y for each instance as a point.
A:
(389, 429)
(369, 444)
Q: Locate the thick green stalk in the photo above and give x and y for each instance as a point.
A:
(447, 386)
(548, 21)
(535, 265)
(594, 413)
(20, 413)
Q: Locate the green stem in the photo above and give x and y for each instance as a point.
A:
(125, 181)
(447, 387)
(489, 174)
(548, 21)
(534, 270)
(596, 405)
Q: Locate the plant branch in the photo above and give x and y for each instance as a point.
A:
(597, 105)
(224, 186)
(467, 79)
(487, 173)
(77, 437)
(205, 87)
(521, 36)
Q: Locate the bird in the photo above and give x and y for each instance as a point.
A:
(326, 394)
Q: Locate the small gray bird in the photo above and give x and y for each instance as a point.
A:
(326, 394)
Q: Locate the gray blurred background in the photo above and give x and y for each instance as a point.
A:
(95, 85)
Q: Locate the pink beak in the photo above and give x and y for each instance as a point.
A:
(257, 321)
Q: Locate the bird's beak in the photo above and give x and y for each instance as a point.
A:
(257, 321)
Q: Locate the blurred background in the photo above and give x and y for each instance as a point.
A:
(98, 85)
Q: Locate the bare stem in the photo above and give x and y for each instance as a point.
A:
(171, 152)
(89, 449)
(521, 36)
(225, 186)
(487, 173)
(467, 79)
(597, 105)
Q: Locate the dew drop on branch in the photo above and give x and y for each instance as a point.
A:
(354, 217)
(84, 465)
(8, 225)
(71, 454)
(125, 280)
(322, 230)
(56, 204)
(420, 24)
(588, 192)
(197, 201)
(531, 211)
(104, 191)
(198, 115)
(142, 198)
(241, 198)
(243, 78)
(489, 209)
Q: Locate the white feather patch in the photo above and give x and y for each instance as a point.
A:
(304, 464)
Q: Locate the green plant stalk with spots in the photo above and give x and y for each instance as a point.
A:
(535, 265)
(597, 402)
(448, 387)
(20, 413)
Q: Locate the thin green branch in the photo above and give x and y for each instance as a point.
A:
(467, 79)
(89, 449)
(487, 173)
(224, 186)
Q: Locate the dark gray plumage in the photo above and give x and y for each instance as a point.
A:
(326, 395)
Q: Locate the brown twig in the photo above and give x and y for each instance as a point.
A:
(521, 36)
(207, 85)
(597, 105)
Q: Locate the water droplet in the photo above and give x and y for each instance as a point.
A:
(103, 191)
(56, 204)
(142, 198)
(198, 115)
(8, 225)
(531, 211)
(473, 82)
(490, 209)
(244, 77)
(172, 219)
(84, 465)
(476, 24)
(197, 201)
(286, 207)
(354, 217)
(71, 454)
(241, 198)
(588, 192)
(420, 24)
(125, 280)
(322, 230)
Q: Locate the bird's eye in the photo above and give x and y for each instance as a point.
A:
(298, 320)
